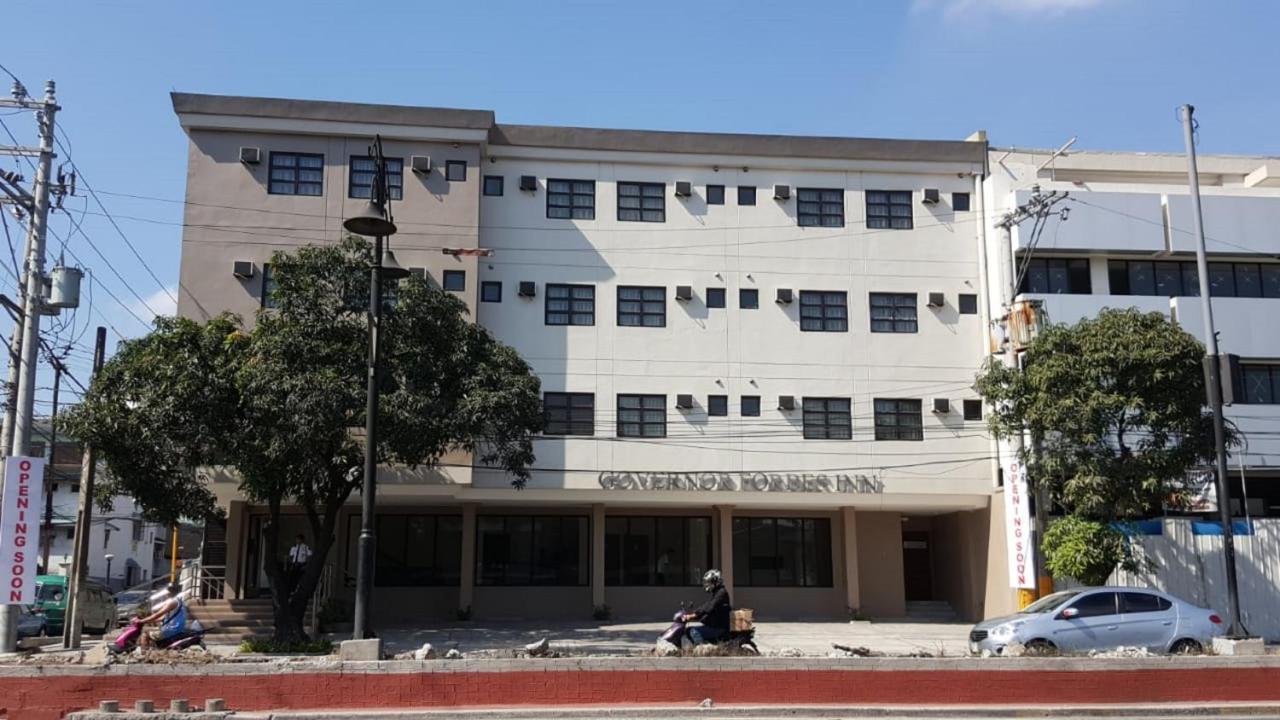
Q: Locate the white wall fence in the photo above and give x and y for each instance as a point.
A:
(1190, 567)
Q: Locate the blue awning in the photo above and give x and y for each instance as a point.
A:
(1211, 527)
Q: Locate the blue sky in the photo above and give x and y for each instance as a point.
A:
(1030, 72)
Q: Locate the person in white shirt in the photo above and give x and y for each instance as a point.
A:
(298, 556)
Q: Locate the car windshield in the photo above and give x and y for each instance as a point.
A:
(48, 592)
(1048, 603)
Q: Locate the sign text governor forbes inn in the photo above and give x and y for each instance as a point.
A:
(746, 482)
(19, 528)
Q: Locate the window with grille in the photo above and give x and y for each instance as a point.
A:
(642, 416)
(642, 306)
(893, 313)
(296, 174)
(568, 413)
(972, 409)
(889, 209)
(1261, 384)
(1060, 275)
(642, 202)
(827, 419)
(571, 199)
(818, 207)
(455, 170)
(360, 182)
(898, 420)
(960, 202)
(570, 305)
(824, 311)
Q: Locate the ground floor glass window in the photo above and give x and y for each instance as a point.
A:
(782, 552)
(531, 550)
(411, 550)
(656, 550)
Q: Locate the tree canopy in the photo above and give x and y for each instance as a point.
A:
(283, 404)
(1114, 408)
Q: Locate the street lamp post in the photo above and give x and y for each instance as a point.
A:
(374, 221)
(109, 557)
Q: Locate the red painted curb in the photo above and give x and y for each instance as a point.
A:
(53, 696)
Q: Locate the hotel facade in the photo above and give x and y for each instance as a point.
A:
(757, 354)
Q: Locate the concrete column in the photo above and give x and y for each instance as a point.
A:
(597, 555)
(237, 519)
(467, 577)
(849, 531)
(724, 515)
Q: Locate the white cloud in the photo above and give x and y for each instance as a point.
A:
(955, 8)
(160, 302)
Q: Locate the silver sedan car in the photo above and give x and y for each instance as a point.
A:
(1102, 618)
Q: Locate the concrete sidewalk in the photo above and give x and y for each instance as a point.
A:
(810, 639)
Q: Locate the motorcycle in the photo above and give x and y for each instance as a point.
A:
(741, 641)
(128, 639)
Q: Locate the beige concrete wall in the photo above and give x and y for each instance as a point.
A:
(1000, 598)
(959, 554)
(230, 215)
(880, 576)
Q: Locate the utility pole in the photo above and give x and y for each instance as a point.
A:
(50, 471)
(84, 520)
(1037, 208)
(1213, 377)
(25, 406)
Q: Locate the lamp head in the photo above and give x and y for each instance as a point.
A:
(391, 270)
(370, 222)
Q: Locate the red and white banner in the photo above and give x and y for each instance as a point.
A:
(20, 528)
(1017, 526)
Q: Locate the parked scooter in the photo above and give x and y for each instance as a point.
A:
(741, 641)
(128, 639)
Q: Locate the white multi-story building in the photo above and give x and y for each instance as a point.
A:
(1128, 241)
(757, 353)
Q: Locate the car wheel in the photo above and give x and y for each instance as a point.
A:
(1040, 647)
(1186, 646)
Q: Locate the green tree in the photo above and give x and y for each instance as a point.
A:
(1114, 408)
(282, 406)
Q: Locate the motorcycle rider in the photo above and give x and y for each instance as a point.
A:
(172, 616)
(713, 614)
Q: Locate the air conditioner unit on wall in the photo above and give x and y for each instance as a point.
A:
(942, 406)
(784, 296)
(242, 269)
(786, 402)
(931, 196)
(684, 402)
(529, 183)
(250, 155)
(527, 289)
(684, 188)
(420, 163)
(781, 192)
(937, 300)
(684, 292)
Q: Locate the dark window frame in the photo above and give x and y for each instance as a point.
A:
(564, 204)
(501, 185)
(395, 178)
(1251, 379)
(828, 212)
(880, 211)
(968, 304)
(450, 166)
(717, 406)
(956, 202)
(897, 410)
(447, 276)
(972, 409)
(750, 406)
(645, 403)
(486, 286)
(1056, 276)
(899, 320)
(570, 315)
(716, 298)
(580, 524)
(648, 295)
(618, 576)
(809, 527)
(753, 294)
(296, 182)
(644, 191)
(715, 194)
(746, 195)
(568, 412)
(1180, 278)
(824, 419)
(826, 303)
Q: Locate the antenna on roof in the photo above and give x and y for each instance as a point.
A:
(1062, 151)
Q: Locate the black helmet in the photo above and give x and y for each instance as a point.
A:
(712, 579)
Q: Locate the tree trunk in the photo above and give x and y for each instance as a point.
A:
(291, 591)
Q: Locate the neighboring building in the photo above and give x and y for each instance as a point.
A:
(1128, 241)
(135, 545)
(757, 353)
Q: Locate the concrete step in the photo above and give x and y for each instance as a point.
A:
(930, 611)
